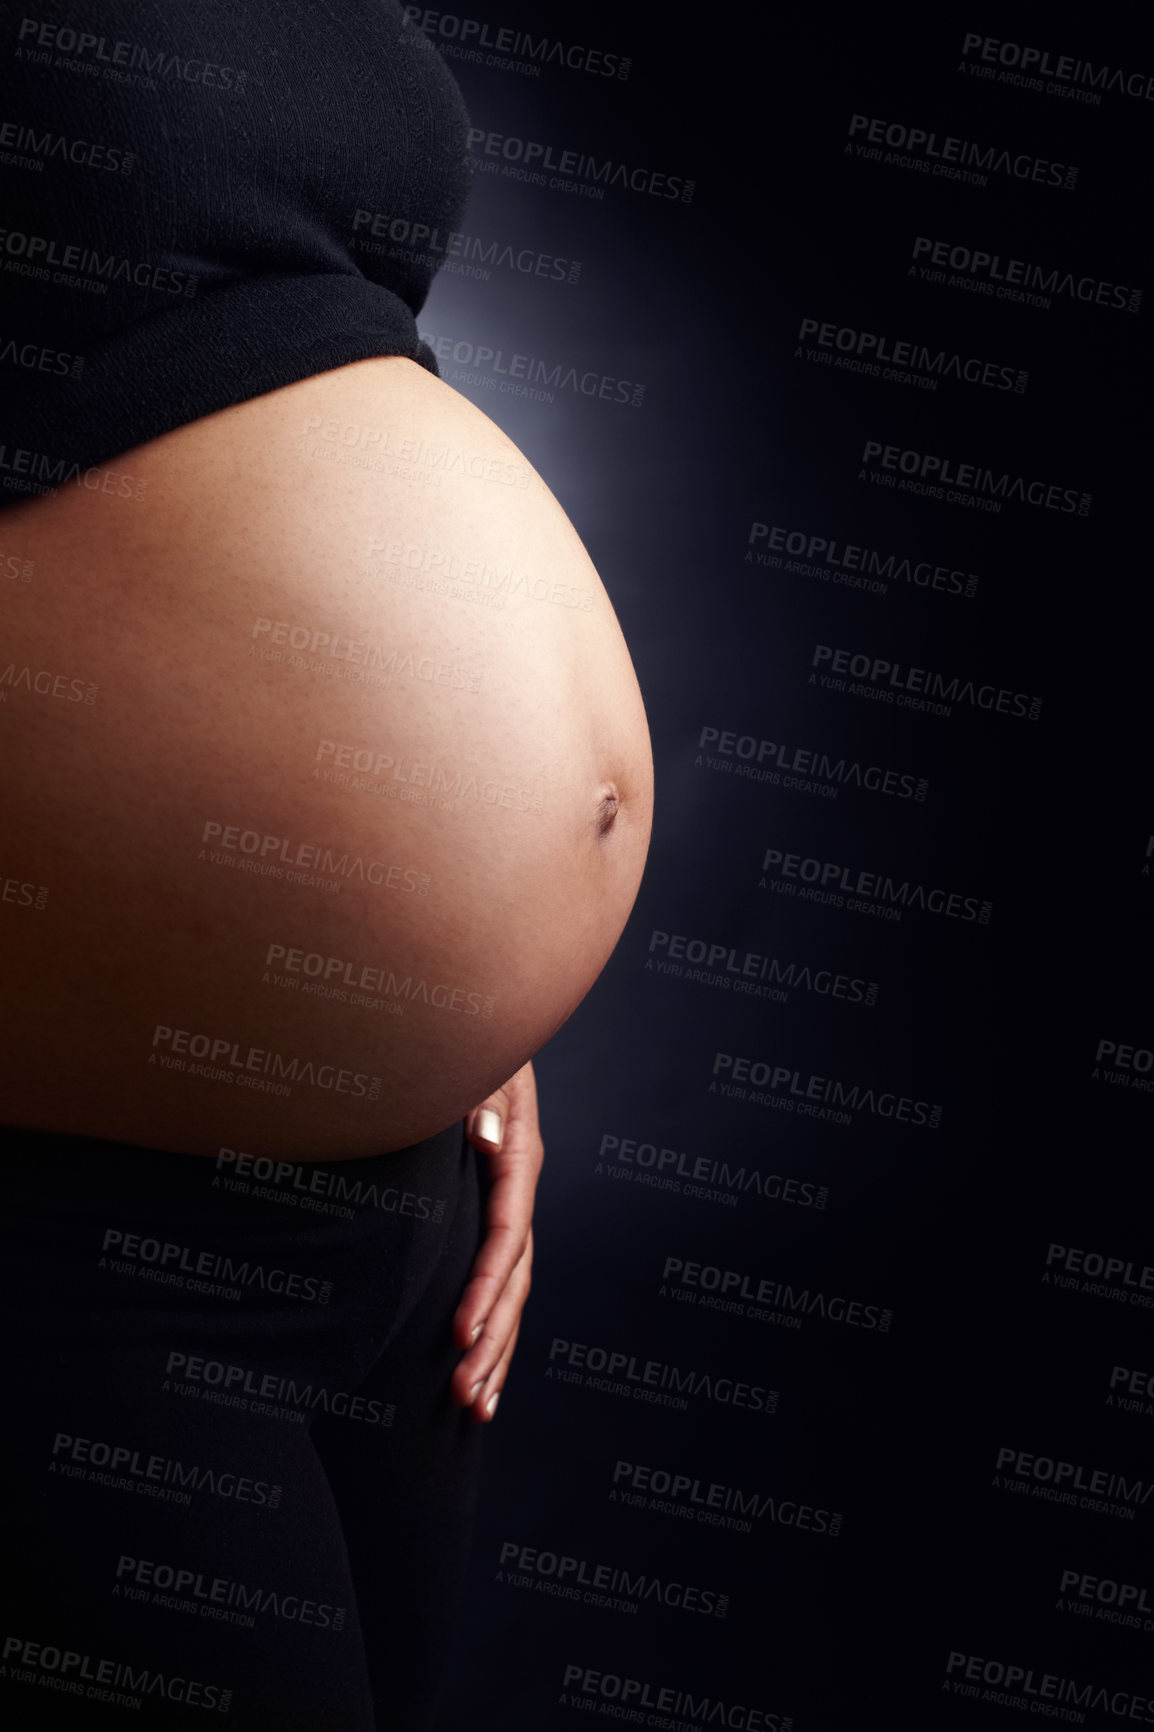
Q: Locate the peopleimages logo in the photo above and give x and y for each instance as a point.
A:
(1095, 1272)
(587, 1687)
(887, 676)
(1108, 1592)
(46, 684)
(951, 158)
(777, 974)
(66, 1669)
(246, 844)
(337, 646)
(652, 1380)
(837, 1095)
(24, 894)
(692, 1175)
(612, 1586)
(535, 160)
(464, 37)
(52, 472)
(715, 1503)
(356, 981)
(851, 564)
(266, 1393)
(154, 1475)
(814, 767)
(218, 1596)
(1059, 1480)
(173, 1262)
(926, 473)
(254, 1058)
(1018, 279)
(41, 251)
(523, 375)
(42, 146)
(734, 1290)
(34, 356)
(1034, 64)
(452, 249)
(1124, 1066)
(314, 1182)
(867, 351)
(825, 881)
(1013, 1686)
(1139, 1384)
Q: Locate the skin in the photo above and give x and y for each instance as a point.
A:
(488, 1319)
(253, 514)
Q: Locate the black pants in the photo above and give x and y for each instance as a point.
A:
(234, 1485)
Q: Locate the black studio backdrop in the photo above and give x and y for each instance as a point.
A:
(833, 1404)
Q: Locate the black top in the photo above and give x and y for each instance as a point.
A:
(204, 200)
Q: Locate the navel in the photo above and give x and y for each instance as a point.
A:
(606, 810)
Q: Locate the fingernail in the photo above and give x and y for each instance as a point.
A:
(475, 1333)
(473, 1391)
(491, 1404)
(489, 1125)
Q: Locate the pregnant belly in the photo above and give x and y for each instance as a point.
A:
(326, 777)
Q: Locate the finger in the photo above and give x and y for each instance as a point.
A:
(513, 1105)
(485, 1125)
(514, 1170)
(482, 1355)
(475, 1366)
(485, 1406)
(509, 1227)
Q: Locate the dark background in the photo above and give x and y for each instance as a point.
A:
(1050, 821)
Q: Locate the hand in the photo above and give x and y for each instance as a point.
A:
(498, 1286)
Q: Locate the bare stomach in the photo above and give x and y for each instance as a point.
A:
(326, 779)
